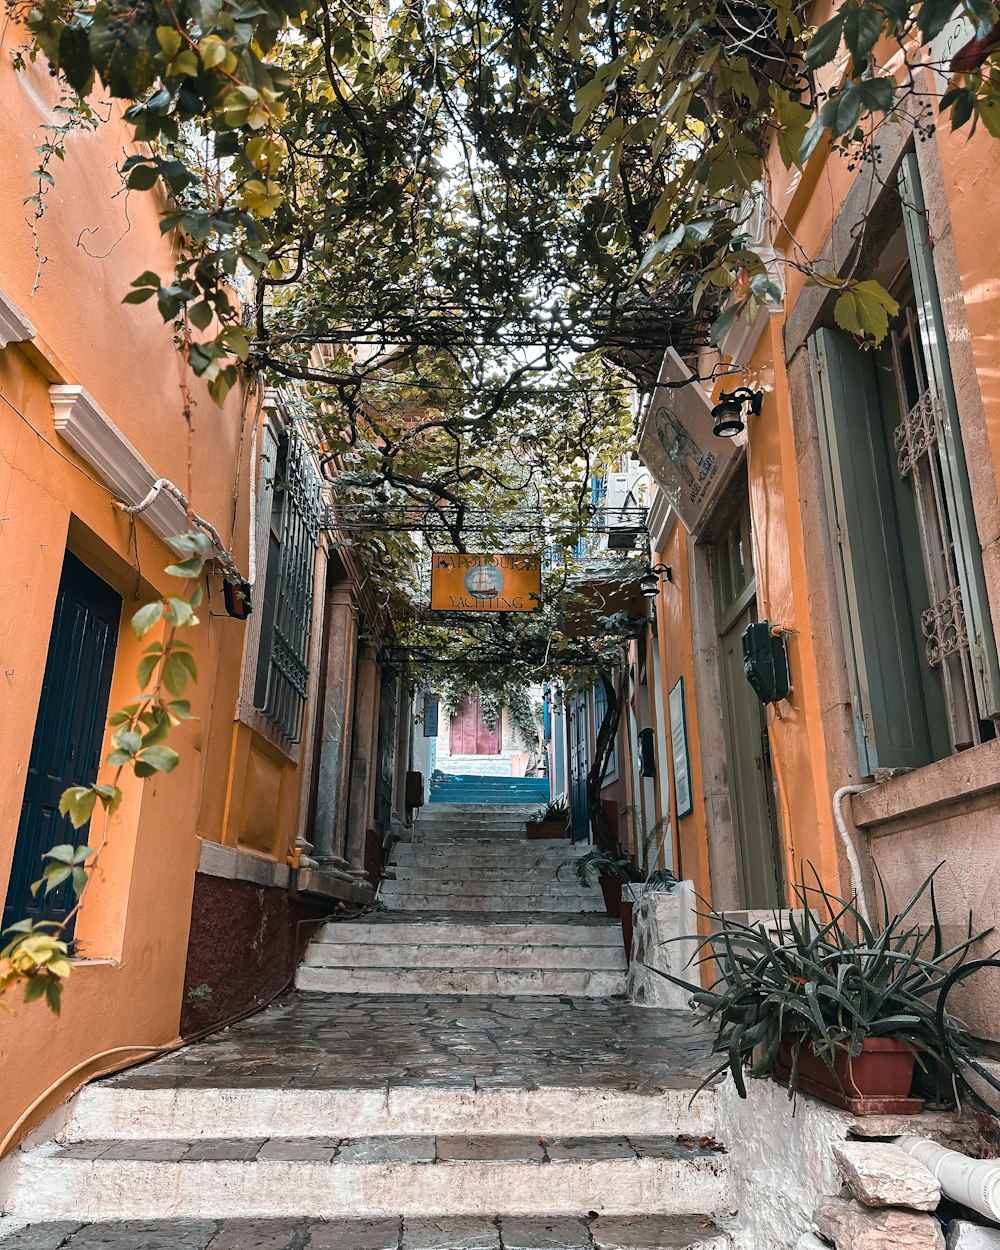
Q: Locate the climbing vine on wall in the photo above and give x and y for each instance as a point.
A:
(36, 954)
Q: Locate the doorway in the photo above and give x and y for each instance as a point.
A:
(578, 728)
(470, 734)
(748, 754)
(69, 733)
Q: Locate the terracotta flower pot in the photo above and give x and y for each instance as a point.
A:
(876, 1082)
(545, 829)
(611, 888)
(627, 907)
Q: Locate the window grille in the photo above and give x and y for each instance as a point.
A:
(286, 624)
(917, 442)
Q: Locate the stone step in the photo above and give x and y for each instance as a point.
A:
(532, 886)
(247, 1178)
(547, 982)
(541, 903)
(392, 1233)
(542, 852)
(515, 874)
(410, 955)
(427, 932)
(212, 1107)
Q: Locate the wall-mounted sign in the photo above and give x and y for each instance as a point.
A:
(485, 583)
(679, 750)
(678, 447)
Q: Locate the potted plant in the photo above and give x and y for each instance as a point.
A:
(610, 868)
(661, 879)
(822, 1003)
(549, 821)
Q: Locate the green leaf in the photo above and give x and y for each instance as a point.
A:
(147, 616)
(825, 42)
(145, 668)
(862, 28)
(78, 804)
(865, 310)
(139, 297)
(157, 759)
(127, 740)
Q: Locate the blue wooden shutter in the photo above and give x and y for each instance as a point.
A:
(887, 693)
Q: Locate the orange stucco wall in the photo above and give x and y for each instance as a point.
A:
(809, 766)
(133, 930)
(674, 640)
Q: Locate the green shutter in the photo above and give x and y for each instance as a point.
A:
(887, 692)
(955, 476)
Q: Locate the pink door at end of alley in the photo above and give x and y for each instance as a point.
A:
(470, 735)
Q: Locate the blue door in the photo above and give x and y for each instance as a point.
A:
(579, 765)
(69, 731)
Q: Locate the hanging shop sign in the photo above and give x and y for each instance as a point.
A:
(679, 447)
(461, 582)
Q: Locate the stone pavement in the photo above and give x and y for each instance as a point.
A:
(339, 1041)
(503, 1233)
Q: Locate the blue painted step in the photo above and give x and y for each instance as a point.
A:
(463, 788)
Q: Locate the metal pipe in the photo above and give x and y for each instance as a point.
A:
(974, 1183)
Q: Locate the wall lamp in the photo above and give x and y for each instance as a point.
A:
(728, 412)
(649, 583)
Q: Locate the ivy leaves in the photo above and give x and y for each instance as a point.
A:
(864, 309)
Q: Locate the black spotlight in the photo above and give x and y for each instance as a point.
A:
(728, 412)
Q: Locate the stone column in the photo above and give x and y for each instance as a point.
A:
(366, 699)
(337, 715)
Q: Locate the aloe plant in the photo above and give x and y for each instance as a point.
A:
(823, 977)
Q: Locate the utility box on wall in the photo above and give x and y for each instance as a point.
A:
(765, 661)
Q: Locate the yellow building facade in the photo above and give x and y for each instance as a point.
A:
(859, 518)
(215, 873)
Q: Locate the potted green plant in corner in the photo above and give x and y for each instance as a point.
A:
(611, 869)
(822, 1003)
(549, 821)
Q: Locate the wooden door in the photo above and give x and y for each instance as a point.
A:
(747, 745)
(69, 732)
(388, 705)
(470, 734)
(579, 764)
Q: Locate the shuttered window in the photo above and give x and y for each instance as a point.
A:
(286, 614)
(921, 650)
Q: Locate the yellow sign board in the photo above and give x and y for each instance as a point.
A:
(485, 583)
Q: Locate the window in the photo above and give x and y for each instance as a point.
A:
(921, 644)
(600, 711)
(282, 672)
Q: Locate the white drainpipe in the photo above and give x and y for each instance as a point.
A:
(850, 848)
(974, 1183)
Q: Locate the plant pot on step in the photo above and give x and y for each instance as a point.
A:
(876, 1082)
(611, 888)
(545, 829)
(632, 893)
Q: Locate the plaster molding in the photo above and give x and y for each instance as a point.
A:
(235, 864)
(81, 423)
(14, 325)
(659, 519)
(740, 341)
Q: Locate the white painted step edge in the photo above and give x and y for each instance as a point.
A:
(563, 983)
(412, 955)
(47, 1188)
(104, 1111)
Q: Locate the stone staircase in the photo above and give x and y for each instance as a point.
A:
(475, 908)
(460, 1080)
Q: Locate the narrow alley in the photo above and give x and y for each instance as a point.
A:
(461, 1072)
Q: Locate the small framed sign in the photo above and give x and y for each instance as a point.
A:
(679, 750)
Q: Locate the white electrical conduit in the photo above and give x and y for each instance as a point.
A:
(850, 848)
(974, 1183)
